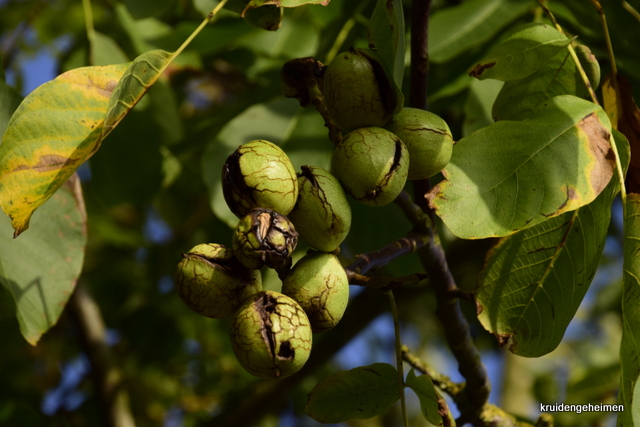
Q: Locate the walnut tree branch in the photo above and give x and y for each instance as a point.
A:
(475, 394)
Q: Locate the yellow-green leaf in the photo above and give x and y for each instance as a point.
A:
(512, 175)
(136, 81)
(54, 130)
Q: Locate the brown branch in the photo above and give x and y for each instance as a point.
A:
(420, 10)
(112, 397)
(373, 260)
(384, 283)
(475, 394)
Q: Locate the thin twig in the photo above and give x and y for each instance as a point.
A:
(398, 345)
(107, 377)
(372, 260)
(443, 382)
(384, 283)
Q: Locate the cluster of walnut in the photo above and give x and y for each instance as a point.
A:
(271, 332)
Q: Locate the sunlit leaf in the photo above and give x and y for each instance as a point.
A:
(386, 33)
(523, 52)
(357, 394)
(512, 175)
(136, 81)
(534, 281)
(54, 130)
(456, 29)
(40, 269)
(519, 99)
(424, 388)
(630, 344)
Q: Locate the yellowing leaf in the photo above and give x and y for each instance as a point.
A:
(54, 130)
(515, 174)
(610, 102)
(136, 81)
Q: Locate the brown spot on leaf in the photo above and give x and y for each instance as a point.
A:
(479, 69)
(598, 137)
(502, 339)
(48, 163)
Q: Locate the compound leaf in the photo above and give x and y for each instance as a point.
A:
(512, 175)
(523, 52)
(54, 130)
(41, 268)
(534, 281)
(358, 394)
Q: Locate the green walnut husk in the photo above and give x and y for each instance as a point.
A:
(212, 282)
(359, 91)
(322, 215)
(427, 138)
(264, 238)
(371, 164)
(271, 335)
(259, 175)
(320, 285)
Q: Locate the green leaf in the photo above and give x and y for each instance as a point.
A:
(523, 52)
(456, 29)
(54, 130)
(136, 81)
(386, 33)
(630, 344)
(146, 8)
(41, 268)
(426, 391)
(534, 281)
(512, 175)
(477, 108)
(9, 101)
(358, 394)
(105, 51)
(518, 99)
